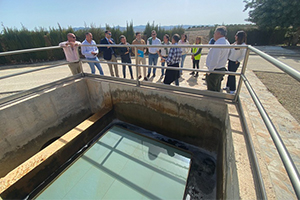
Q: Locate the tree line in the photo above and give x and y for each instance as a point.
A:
(258, 36)
(13, 39)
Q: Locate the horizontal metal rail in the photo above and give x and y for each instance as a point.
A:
(24, 93)
(258, 180)
(161, 67)
(282, 150)
(34, 70)
(218, 95)
(8, 53)
(170, 46)
(287, 69)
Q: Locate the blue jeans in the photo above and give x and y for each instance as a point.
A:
(163, 64)
(96, 64)
(182, 61)
(124, 71)
(152, 59)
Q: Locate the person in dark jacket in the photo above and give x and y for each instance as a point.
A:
(125, 55)
(109, 52)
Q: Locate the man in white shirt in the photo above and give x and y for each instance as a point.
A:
(91, 52)
(153, 52)
(216, 60)
(70, 48)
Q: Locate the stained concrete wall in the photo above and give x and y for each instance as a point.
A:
(27, 124)
(199, 121)
(203, 122)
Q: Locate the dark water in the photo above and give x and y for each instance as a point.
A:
(201, 182)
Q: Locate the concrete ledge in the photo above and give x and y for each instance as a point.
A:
(28, 123)
(22, 180)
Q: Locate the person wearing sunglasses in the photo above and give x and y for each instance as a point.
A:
(91, 52)
(153, 52)
(70, 48)
(109, 53)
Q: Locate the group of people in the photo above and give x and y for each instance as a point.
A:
(217, 58)
(174, 57)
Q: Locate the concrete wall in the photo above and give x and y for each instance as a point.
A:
(27, 124)
(203, 122)
(178, 116)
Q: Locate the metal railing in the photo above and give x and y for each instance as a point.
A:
(283, 152)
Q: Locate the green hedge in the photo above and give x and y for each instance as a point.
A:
(14, 39)
(257, 36)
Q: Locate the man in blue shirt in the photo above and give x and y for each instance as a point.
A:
(91, 52)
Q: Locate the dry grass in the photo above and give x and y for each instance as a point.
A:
(285, 89)
(194, 32)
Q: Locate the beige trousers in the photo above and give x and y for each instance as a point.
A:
(113, 59)
(143, 61)
(75, 68)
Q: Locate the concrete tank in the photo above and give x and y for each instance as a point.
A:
(72, 113)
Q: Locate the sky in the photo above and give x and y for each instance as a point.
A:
(77, 13)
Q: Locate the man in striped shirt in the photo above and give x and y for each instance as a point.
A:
(173, 60)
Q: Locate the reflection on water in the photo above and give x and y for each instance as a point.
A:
(122, 164)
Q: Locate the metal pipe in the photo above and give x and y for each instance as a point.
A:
(261, 193)
(136, 67)
(37, 89)
(287, 69)
(34, 70)
(283, 152)
(173, 68)
(239, 86)
(7, 53)
(172, 46)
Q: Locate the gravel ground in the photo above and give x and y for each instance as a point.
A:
(285, 89)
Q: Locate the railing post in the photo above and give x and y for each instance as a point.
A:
(239, 86)
(136, 67)
(281, 148)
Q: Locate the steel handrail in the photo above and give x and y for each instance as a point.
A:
(161, 67)
(7, 53)
(281, 148)
(284, 67)
(33, 70)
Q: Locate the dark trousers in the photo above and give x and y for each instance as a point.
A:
(124, 71)
(195, 64)
(232, 67)
(213, 81)
(172, 75)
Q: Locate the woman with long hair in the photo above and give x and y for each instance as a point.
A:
(183, 41)
(236, 55)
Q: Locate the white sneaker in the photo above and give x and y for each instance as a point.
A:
(231, 92)
(226, 88)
